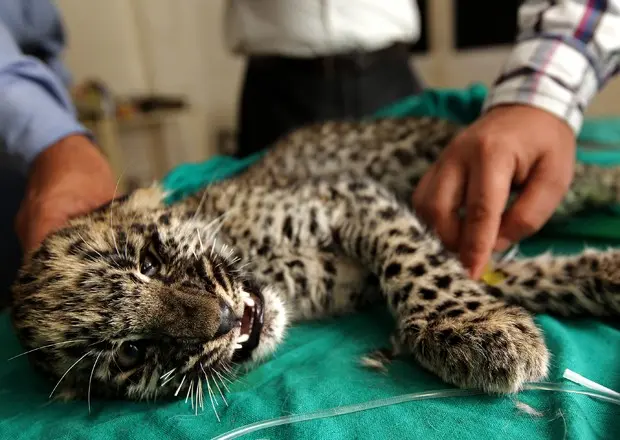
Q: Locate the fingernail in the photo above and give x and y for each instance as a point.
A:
(475, 274)
(468, 264)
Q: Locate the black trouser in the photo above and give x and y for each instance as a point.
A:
(281, 94)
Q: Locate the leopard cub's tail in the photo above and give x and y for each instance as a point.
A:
(587, 284)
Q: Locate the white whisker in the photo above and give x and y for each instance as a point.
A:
(110, 213)
(222, 378)
(165, 375)
(168, 380)
(202, 200)
(217, 219)
(227, 368)
(89, 246)
(213, 246)
(213, 234)
(208, 383)
(189, 390)
(99, 341)
(211, 393)
(243, 266)
(114, 240)
(126, 246)
(180, 385)
(90, 381)
(202, 397)
(192, 399)
(197, 402)
(202, 248)
(219, 389)
(44, 347)
(212, 398)
(66, 372)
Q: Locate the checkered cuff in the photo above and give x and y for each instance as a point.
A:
(549, 74)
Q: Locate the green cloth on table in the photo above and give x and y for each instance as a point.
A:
(317, 368)
(457, 105)
(188, 178)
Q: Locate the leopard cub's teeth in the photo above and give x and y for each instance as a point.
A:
(244, 294)
(243, 338)
(238, 346)
(248, 301)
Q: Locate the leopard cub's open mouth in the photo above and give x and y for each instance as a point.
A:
(251, 326)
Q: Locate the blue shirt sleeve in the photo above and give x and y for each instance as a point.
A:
(35, 107)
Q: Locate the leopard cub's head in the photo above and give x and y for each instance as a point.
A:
(138, 300)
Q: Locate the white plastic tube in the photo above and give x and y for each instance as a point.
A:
(396, 400)
(585, 382)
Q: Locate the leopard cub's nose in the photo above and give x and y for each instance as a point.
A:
(228, 319)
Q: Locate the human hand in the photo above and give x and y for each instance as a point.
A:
(512, 144)
(69, 178)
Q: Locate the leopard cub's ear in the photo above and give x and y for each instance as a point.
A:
(151, 197)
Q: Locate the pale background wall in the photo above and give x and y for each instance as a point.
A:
(165, 46)
(176, 46)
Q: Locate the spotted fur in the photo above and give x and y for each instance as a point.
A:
(141, 300)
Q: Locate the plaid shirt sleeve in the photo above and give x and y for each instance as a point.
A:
(566, 52)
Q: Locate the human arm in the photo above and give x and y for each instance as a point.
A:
(35, 107)
(566, 52)
(67, 174)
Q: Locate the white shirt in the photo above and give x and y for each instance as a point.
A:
(306, 28)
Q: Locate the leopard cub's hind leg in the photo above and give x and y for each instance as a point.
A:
(587, 284)
(448, 322)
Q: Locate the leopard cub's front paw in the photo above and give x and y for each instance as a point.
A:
(497, 350)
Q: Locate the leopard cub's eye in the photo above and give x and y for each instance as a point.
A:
(149, 264)
(130, 354)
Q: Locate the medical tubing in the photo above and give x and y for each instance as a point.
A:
(396, 400)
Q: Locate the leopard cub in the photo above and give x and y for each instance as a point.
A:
(140, 299)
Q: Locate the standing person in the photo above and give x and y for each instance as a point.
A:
(312, 60)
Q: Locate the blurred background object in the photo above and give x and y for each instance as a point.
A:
(110, 117)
